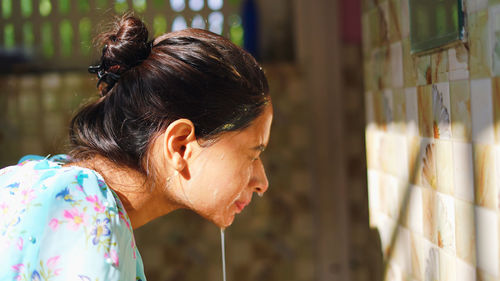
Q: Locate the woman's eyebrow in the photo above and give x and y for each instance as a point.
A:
(259, 147)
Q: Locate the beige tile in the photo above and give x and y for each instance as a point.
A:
(429, 203)
(482, 275)
(439, 67)
(423, 69)
(495, 89)
(473, 6)
(458, 58)
(494, 35)
(425, 116)
(465, 233)
(461, 120)
(394, 15)
(381, 110)
(405, 19)
(414, 160)
(388, 109)
(482, 111)
(399, 105)
(372, 148)
(411, 104)
(444, 166)
(396, 53)
(417, 256)
(479, 45)
(486, 191)
(409, 67)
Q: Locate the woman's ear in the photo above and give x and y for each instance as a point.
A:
(179, 139)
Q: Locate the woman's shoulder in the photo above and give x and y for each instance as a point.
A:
(68, 206)
(49, 175)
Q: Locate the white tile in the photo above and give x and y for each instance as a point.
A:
(465, 271)
(401, 156)
(397, 65)
(411, 111)
(390, 184)
(415, 220)
(394, 272)
(447, 266)
(402, 251)
(482, 111)
(373, 190)
(487, 240)
(463, 171)
(386, 227)
(496, 150)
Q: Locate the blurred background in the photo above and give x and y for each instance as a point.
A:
(312, 224)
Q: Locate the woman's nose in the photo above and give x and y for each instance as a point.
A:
(261, 183)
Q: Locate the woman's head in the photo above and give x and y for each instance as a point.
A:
(146, 86)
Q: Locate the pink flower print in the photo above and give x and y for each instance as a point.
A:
(52, 263)
(98, 207)
(27, 196)
(76, 218)
(112, 258)
(4, 208)
(121, 214)
(54, 223)
(18, 267)
(20, 243)
(132, 244)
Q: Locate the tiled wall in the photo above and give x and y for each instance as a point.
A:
(433, 145)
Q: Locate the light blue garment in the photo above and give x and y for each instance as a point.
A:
(63, 223)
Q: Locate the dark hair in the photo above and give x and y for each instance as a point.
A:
(192, 73)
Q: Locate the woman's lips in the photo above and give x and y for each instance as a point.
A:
(240, 205)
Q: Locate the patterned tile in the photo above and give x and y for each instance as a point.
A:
(486, 191)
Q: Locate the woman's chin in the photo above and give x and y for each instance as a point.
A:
(223, 221)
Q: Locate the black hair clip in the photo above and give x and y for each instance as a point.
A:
(109, 77)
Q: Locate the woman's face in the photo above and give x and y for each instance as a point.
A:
(224, 175)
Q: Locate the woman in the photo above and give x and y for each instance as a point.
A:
(180, 123)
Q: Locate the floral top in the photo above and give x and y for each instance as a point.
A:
(63, 223)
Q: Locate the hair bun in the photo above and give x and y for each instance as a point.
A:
(125, 45)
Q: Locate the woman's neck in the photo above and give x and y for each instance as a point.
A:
(144, 199)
